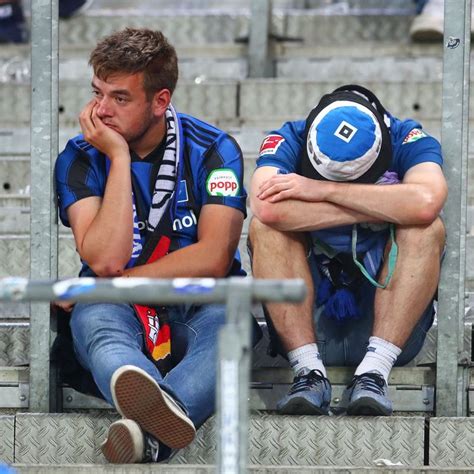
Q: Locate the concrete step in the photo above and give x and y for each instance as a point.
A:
(230, 61)
(231, 103)
(352, 6)
(300, 442)
(188, 27)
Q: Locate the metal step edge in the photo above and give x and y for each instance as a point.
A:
(208, 469)
(411, 389)
(307, 441)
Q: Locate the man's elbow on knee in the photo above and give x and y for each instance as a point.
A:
(107, 269)
(266, 213)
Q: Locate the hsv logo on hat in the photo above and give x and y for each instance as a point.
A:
(343, 141)
(347, 139)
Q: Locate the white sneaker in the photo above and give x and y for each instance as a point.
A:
(138, 397)
(429, 24)
(127, 444)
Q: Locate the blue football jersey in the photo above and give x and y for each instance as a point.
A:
(211, 172)
(411, 145)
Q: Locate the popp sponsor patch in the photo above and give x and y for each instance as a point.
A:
(222, 182)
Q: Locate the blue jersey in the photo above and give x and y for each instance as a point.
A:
(211, 172)
(410, 144)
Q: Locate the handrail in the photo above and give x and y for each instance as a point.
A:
(148, 290)
(234, 338)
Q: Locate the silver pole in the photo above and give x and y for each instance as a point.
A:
(260, 60)
(450, 374)
(44, 132)
(233, 381)
(149, 290)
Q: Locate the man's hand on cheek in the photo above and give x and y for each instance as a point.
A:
(99, 135)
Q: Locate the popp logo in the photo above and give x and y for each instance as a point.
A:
(222, 182)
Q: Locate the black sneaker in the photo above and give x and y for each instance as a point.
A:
(310, 394)
(367, 395)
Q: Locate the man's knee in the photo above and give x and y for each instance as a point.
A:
(261, 234)
(422, 238)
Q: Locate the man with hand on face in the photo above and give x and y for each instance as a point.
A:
(333, 197)
(149, 192)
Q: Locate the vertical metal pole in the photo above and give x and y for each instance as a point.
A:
(233, 381)
(260, 60)
(450, 379)
(44, 142)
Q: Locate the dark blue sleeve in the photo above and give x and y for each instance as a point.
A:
(414, 146)
(76, 178)
(221, 180)
(282, 148)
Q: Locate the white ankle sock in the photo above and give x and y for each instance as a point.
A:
(380, 357)
(306, 357)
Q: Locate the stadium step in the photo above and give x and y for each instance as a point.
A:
(411, 387)
(249, 102)
(302, 442)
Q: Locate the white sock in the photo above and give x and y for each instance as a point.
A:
(380, 357)
(306, 357)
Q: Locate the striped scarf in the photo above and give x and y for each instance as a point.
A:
(155, 319)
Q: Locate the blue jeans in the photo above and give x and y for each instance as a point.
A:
(108, 336)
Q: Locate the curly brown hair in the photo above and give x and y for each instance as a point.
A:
(135, 50)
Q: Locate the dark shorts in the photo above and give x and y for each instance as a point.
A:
(344, 344)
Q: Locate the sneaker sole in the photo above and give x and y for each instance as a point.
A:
(367, 406)
(301, 406)
(124, 443)
(138, 397)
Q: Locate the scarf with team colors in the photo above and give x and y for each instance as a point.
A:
(155, 320)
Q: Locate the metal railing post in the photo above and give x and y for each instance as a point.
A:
(233, 381)
(44, 145)
(260, 60)
(451, 374)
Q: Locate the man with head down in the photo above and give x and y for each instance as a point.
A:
(349, 200)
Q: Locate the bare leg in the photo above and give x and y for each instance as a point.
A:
(283, 255)
(399, 307)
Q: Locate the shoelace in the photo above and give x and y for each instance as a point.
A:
(308, 381)
(152, 448)
(369, 381)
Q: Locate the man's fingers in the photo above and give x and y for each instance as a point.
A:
(64, 305)
(85, 119)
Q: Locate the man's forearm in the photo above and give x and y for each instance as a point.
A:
(299, 216)
(194, 261)
(403, 203)
(109, 239)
